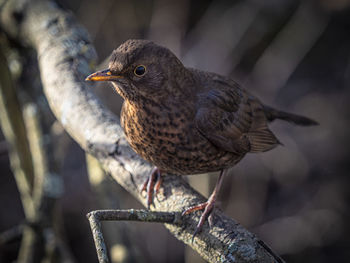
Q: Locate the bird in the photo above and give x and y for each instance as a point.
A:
(184, 120)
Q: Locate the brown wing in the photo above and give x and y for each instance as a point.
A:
(233, 120)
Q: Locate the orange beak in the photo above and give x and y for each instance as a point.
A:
(103, 75)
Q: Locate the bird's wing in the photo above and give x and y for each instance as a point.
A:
(233, 120)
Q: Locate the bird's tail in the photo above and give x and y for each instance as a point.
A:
(272, 114)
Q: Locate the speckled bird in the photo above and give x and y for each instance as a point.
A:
(184, 120)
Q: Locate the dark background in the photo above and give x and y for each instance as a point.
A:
(294, 55)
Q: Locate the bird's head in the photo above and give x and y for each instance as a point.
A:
(141, 69)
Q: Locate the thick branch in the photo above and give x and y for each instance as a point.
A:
(65, 57)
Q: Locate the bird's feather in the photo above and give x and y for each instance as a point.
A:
(233, 120)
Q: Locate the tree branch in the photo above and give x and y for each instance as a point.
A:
(117, 236)
(12, 125)
(65, 57)
(95, 218)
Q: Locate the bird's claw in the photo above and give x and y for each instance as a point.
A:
(207, 207)
(152, 185)
(194, 208)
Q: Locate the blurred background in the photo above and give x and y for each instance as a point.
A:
(294, 55)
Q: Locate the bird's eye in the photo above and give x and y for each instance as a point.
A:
(140, 70)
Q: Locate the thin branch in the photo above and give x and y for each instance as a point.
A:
(109, 195)
(95, 218)
(12, 125)
(13, 128)
(48, 186)
(65, 56)
(39, 187)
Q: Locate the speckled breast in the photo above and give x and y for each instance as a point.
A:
(169, 140)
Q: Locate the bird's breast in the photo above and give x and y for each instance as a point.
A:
(169, 139)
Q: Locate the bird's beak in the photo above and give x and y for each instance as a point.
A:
(103, 75)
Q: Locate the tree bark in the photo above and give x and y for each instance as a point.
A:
(66, 56)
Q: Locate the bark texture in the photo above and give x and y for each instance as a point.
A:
(66, 56)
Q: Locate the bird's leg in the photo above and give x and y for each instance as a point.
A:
(152, 185)
(207, 206)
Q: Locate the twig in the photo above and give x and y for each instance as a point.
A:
(12, 126)
(38, 187)
(95, 218)
(48, 186)
(109, 195)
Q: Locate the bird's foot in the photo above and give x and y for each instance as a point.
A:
(208, 209)
(208, 206)
(152, 185)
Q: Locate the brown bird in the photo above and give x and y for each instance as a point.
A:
(186, 121)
